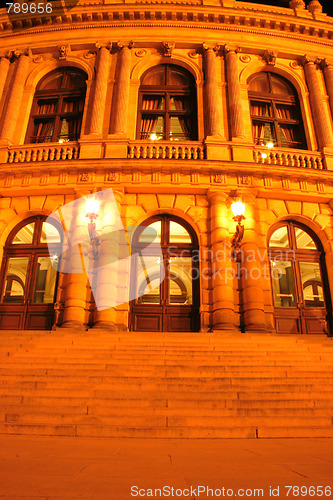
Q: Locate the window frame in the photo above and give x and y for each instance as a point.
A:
(59, 95)
(274, 99)
(168, 91)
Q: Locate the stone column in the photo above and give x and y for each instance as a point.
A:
(4, 67)
(328, 74)
(15, 98)
(121, 91)
(222, 271)
(211, 91)
(76, 285)
(106, 280)
(251, 274)
(320, 118)
(101, 87)
(234, 93)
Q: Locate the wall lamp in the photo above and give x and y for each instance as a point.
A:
(238, 210)
(92, 208)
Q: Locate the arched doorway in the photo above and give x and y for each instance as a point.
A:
(29, 276)
(172, 303)
(299, 280)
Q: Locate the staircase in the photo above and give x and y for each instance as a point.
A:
(110, 384)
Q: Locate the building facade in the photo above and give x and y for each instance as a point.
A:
(180, 108)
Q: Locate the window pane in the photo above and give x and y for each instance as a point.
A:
(16, 279)
(52, 81)
(180, 128)
(70, 129)
(72, 105)
(180, 282)
(25, 235)
(280, 238)
(283, 285)
(75, 79)
(260, 83)
(152, 127)
(153, 102)
(151, 234)
(46, 106)
(43, 131)
(155, 76)
(261, 108)
(49, 234)
(178, 233)
(179, 77)
(312, 285)
(148, 280)
(285, 112)
(180, 103)
(304, 240)
(45, 281)
(263, 132)
(280, 86)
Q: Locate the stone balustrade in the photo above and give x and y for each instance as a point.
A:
(185, 151)
(32, 153)
(291, 158)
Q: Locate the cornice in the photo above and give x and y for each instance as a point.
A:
(240, 18)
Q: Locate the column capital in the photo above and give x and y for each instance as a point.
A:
(103, 45)
(7, 55)
(217, 196)
(231, 48)
(211, 47)
(17, 53)
(325, 63)
(304, 60)
(124, 45)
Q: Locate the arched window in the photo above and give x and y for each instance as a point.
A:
(29, 275)
(57, 108)
(275, 112)
(165, 278)
(299, 280)
(167, 104)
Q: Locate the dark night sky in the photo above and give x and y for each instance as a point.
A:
(327, 4)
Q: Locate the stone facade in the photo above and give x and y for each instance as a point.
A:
(222, 44)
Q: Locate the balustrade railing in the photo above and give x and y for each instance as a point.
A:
(158, 150)
(32, 153)
(303, 159)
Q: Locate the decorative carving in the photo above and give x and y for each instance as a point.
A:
(63, 178)
(155, 177)
(320, 187)
(141, 52)
(210, 46)
(315, 7)
(294, 65)
(297, 4)
(231, 48)
(193, 54)
(175, 177)
(44, 179)
(245, 179)
(107, 45)
(303, 185)
(270, 57)
(38, 59)
(268, 182)
(195, 177)
(112, 176)
(64, 51)
(121, 45)
(219, 179)
(136, 177)
(168, 48)
(245, 58)
(84, 177)
(89, 54)
(26, 180)
(285, 184)
(305, 60)
(9, 180)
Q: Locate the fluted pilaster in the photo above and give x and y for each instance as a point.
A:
(328, 74)
(15, 98)
(320, 118)
(121, 90)
(101, 87)
(4, 67)
(222, 270)
(211, 91)
(234, 93)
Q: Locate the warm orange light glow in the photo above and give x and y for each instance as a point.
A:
(92, 207)
(238, 208)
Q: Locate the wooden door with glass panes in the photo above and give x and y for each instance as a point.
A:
(299, 281)
(29, 276)
(165, 280)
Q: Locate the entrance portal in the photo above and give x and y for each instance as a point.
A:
(170, 304)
